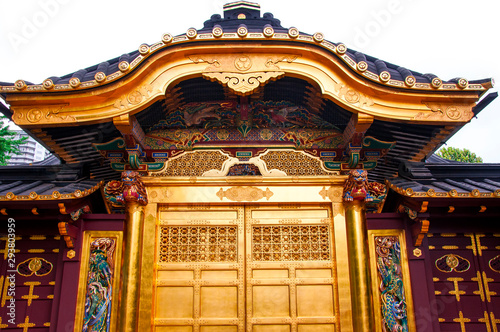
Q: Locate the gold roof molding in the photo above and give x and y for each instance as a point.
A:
(293, 36)
(148, 83)
(33, 196)
(475, 193)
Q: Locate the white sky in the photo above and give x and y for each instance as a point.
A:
(449, 38)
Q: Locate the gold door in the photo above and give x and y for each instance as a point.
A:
(253, 268)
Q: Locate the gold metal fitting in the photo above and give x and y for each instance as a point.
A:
(268, 31)
(362, 66)
(436, 82)
(341, 48)
(166, 38)
(462, 83)
(217, 31)
(124, 66)
(293, 32)
(48, 84)
(242, 31)
(385, 76)
(74, 82)
(144, 49)
(318, 37)
(100, 77)
(20, 85)
(191, 33)
(410, 80)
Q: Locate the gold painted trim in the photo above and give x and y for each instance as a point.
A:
(88, 237)
(55, 196)
(450, 194)
(406, 276)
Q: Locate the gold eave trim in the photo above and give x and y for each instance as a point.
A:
(408, 192)
(245, 180)
(33, 196)
(148, 84)
(146, 51)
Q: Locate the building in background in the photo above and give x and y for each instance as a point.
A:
(245, 176)
(30, 151)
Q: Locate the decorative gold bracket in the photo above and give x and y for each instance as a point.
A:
(242, 73)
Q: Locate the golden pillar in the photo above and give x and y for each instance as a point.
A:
(355, 193)
(135, 198)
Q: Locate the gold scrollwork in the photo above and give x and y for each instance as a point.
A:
(244, 193)
(352, 96)
(243, 84)
(455, 112)
(494, 263)
(41, 115)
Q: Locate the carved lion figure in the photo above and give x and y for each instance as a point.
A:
(134, 189)
(356, 186)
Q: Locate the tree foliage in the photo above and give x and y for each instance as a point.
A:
(456, 154)
(8, 144)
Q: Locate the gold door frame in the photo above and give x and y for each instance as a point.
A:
(202, 192)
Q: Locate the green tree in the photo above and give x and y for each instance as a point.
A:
(8, 145)
(457, 154)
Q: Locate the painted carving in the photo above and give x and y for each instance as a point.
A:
(134, 190)
(78, 213)
(393, 307)
(112, 190)
(100, 278)
(357, 187)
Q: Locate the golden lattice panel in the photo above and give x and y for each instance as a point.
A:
(294, 163)
(194, 163)
(291, 243)
(198, 244)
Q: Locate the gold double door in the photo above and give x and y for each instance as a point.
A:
(245, 268)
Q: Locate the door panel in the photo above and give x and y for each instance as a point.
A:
(254, 268)
(200, 271)
(290, 276)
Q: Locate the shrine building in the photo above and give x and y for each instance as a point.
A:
(247, 176)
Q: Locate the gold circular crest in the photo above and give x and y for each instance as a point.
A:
(293, 32)
(144, 49)
(243, 63)
(48, 84)
(318, 37)
(362, 66)
(266, 134)
(34, 115)
(217, 31)
(35, 264)
(341, 48)
(436, 82)
(410, 80)
(268, 31)
(462, 83)
(222, 134)
(74, 82)
(191, 33)
(385, 76)
(100, 77)
(135, 97)
(166, 38)
(242, 31)
(20, 85)
(124, 66)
